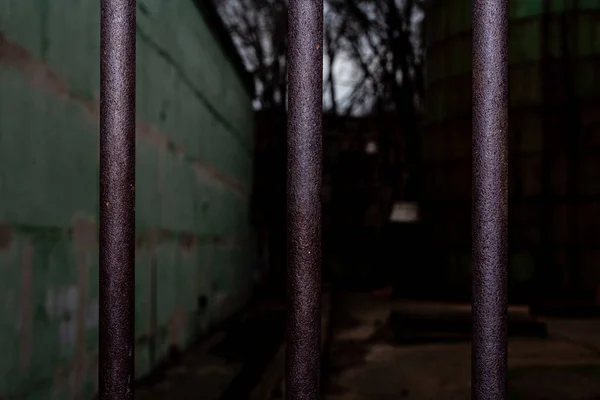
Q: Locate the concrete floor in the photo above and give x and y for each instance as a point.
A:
(224, 366)
(367, 363)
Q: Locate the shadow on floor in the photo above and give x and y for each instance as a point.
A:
(225, 366)
(417, 350)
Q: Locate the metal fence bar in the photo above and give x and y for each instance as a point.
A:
(490, 198)
(305, 82)
(117, 198)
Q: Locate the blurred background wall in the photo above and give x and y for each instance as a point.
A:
(554, 49)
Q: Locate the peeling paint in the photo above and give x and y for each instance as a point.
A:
(221, 299)
(177, 325)
(64, 304)
(187, 241)
(6, 236)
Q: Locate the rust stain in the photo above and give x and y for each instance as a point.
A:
(26, 312)
(39, 75)
(203, 170)
(177, 324)
(85, 242)
(139, 242)
(188, 241)
(149, 238)
(35, 72)
(6, 236)
(151, 135)
(43, 78)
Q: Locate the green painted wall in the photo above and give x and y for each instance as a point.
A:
(194, 169)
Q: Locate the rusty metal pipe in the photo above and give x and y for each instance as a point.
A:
(305, 80)
(117, 198)
(490, 198)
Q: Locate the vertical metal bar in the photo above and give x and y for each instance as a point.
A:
(305, 80)
(117, 198)
(490, 198)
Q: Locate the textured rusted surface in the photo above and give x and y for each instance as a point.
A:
(303, 198)
(554, 143)
(117, 199)
(490, 197)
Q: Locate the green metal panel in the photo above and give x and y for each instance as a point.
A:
(554, 53)
(194, 171)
